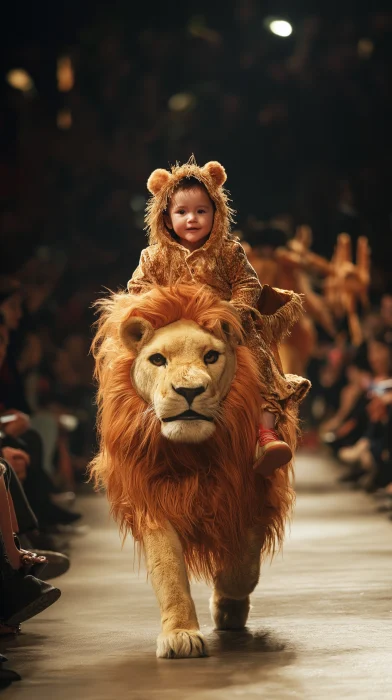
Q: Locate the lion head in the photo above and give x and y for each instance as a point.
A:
(179, 406)
(183, 372)
(181, 350)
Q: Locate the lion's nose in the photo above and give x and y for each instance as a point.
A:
(188, 393)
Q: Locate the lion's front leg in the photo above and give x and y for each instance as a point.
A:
(230, 601)
(180, 636)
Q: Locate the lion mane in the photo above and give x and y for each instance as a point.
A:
(208, 491)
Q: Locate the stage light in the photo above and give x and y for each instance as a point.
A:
(199, 30)
(19, 79)
(65, 74)
(365, 48)
(64, 119)
(280, 27)
(181, 102)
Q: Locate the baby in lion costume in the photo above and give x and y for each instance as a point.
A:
(188, 221)
(184, 368)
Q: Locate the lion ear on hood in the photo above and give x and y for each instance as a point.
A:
(158, 179)
(216, 172)
(135, 332)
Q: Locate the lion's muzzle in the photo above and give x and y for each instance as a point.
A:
(187, 415)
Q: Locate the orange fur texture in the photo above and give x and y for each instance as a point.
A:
(208, 491)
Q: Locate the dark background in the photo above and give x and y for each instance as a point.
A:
(302, 124)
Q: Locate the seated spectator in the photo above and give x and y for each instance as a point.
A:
(363, 429)
(23, 594)
(24, 447)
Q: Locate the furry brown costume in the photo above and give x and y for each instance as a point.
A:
(221, 263)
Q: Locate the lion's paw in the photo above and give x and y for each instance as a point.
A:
(228, 613)
(181, 644)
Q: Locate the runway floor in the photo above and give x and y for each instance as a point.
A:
(320, 626)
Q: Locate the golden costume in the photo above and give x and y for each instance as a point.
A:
(267, 313)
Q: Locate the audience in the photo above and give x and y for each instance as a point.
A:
(23, 483)
(302, 126)
(357, 428)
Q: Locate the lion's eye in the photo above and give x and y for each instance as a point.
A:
(211, 357)
(157, 359)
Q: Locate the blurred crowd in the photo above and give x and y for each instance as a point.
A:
(351, 403)
(302, 126)
(343, 345)
(46, 438)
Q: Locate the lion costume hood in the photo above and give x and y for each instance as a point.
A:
(162, 185)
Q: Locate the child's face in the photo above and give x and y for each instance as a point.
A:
(190, 216)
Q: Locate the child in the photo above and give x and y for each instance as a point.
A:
(188, 219)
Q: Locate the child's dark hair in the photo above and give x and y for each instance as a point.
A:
(191, 183)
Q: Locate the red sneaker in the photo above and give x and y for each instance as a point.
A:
(271, 452)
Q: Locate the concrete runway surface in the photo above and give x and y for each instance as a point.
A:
(320, 627)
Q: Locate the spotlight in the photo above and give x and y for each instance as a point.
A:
(65, 74)
(64, 119)
(181, 102)
(280, 27)
(198, 29)
(365, 48)
(19, 79)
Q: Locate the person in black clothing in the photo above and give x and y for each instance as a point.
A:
(22, 593)
(11, 386)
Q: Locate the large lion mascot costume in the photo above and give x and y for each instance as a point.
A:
(179, 405)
